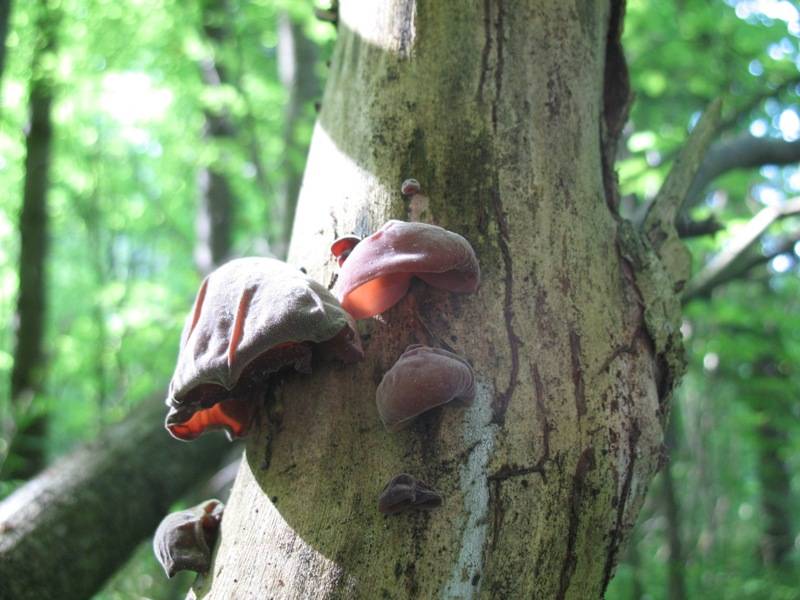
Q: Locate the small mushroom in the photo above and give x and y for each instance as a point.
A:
(184, 540)
(404, 492)
(421, 379)
(251, 318)
(410, 187)
(378, 271)
(343, 246)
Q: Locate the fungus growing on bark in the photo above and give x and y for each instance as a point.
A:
(410, 187)
(184, 540)
(404, 492)
(378, 270)
(343, 246)
(251, 318)
(421, 379)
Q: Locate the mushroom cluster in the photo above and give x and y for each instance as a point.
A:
(253, 317)
(375, 273)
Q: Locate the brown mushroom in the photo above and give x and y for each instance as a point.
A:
(421, 379)
(379, 269)
(251, 318)
(184, 540)
(405, 492)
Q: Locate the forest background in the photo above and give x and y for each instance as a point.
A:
(144, 141)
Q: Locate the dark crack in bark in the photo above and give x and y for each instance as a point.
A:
(585, 464)
(500, 404)
(616, 101)
(498, 71)
(619, 526)
(577, 372)
(493, 32)
(487, 47)
(538, 387)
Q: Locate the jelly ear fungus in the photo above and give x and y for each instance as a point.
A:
(378, 270)
(404, 492)
(251, 318)
(421, 379)
(184, 540)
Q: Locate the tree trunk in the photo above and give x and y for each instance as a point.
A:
(26, 455)
(297, 57)
(774, 476)
(508, 116)
(214, 220)
(66, 531)
(676, 586)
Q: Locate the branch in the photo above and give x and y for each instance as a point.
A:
(743, 152)
(691, 229)
(66, 531)
(659, 222)
(719, 268)
(743, 111)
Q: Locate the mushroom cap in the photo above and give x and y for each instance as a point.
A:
(379, 269)
(184, 539)
(343, 246)
(252, 316)
(410, 187)
(421, 379)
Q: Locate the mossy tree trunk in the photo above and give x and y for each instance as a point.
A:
(508, 116)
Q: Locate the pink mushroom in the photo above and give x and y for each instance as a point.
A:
(251, 318)
(343, 246)
(421, 379)
(378, 271)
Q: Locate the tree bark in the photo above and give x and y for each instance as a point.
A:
(26, 455)
(66, 531)
(508, 116)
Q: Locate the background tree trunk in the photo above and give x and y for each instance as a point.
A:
(509, 118)
(297, 58)
(676, 582)
(214, 220)
(26, 455)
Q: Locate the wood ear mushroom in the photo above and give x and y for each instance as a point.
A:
(421, 379)
(405, 492)
(343, 246)
(184, 540)
(378, 271)
(251, 318)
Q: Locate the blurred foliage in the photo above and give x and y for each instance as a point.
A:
(128, 128)
(128, 121)
(739, 399)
